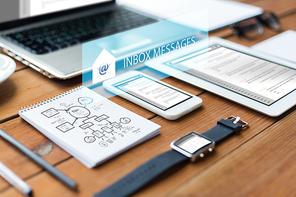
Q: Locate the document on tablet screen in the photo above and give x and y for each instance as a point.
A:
(250, 76)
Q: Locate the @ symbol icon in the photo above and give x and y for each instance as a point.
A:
(103, 68)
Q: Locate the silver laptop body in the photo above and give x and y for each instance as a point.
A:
(62, 64)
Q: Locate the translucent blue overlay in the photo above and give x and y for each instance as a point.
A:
(131, 49)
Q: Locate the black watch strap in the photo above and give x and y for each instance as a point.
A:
(161, 163)
(143, 174)
(224, 129)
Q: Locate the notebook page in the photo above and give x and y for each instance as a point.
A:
(88, 126)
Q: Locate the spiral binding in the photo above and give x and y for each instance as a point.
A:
(35, 105)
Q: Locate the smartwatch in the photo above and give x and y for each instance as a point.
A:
(189, 147)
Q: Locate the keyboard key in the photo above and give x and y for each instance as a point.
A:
(49, 38)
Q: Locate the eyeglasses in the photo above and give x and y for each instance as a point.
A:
(253, 28)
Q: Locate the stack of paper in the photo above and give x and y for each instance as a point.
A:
(220, 13)
(282, 46)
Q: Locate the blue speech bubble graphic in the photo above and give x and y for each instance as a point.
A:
(85, 100)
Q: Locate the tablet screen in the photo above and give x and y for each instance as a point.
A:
(153, 92)
(250, 76)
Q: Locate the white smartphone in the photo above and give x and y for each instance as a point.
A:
(152, 94)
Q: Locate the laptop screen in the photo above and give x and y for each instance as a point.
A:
(19, 9)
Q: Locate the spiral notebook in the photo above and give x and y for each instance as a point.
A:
(90, 127)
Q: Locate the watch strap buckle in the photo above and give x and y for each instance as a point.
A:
(238, 119)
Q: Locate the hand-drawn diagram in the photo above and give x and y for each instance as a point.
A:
(95, 126)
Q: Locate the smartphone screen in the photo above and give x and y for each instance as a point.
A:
(152, 92)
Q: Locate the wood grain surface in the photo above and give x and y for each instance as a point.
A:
(258, 162)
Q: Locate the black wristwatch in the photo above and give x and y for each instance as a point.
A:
(188, 147)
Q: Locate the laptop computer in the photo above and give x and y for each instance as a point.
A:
(47, 35)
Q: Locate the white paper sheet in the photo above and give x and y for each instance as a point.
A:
(220, 12)
(88, 126)
(282, 46)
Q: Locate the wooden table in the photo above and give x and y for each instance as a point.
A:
(258, 162)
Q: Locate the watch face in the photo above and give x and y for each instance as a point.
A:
(193, 145)
(192, 142)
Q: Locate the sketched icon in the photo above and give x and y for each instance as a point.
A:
(104, 67)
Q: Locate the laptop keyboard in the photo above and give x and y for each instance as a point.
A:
(49, 38)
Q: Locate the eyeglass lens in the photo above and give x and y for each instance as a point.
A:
(270, 20)
(252, 28)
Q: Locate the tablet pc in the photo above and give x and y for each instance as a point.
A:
(258, 81)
